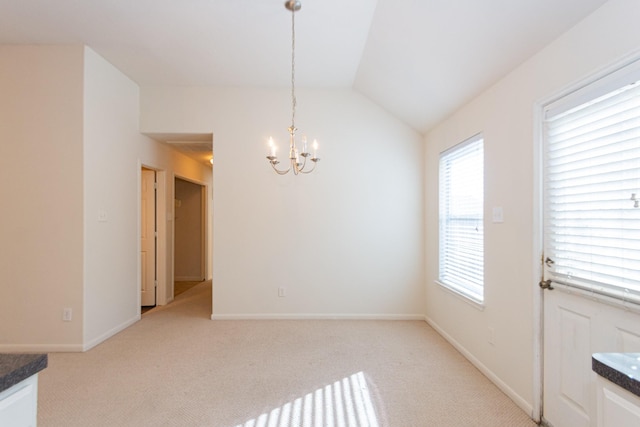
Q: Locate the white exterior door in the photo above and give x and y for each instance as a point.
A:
(576, 325)
(148, 238)
(591, 239)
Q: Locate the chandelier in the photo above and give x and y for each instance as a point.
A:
(297, 158)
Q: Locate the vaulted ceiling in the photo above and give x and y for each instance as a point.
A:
(418, 59)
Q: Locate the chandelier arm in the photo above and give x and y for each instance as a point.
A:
(278, 171)
(310, 170)
(301, 165)
(315, 161)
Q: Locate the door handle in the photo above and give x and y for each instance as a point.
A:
(546, 284)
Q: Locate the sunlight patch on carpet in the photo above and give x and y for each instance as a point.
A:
(345, 403)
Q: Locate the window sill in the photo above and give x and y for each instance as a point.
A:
(465, 298)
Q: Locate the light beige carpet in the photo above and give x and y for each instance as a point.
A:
(176, 367)
(178, 288)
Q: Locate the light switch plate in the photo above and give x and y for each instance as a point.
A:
(498, 214)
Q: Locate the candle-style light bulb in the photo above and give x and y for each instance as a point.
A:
(315, 148)
(272, 146)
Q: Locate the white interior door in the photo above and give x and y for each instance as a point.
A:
(576, 325)
(148, 238)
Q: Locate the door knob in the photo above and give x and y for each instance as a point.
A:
(546, 284)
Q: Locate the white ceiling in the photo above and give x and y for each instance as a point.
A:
(418, 59)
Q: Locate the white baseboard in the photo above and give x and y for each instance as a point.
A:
(66, 348)
(517, 399)
(111, 332)
(40, 348)
(309, 316)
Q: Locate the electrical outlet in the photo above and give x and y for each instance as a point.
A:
(282, 292)
(67, 314)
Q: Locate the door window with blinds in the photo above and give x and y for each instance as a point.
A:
(461, 207)
(592, 186)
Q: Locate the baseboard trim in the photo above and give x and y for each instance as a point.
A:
(517, 399)
(111, 332)
(310, 316)
(40, 348)
(67, 348)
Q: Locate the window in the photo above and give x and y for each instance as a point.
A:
(461, 196)
(592, 171)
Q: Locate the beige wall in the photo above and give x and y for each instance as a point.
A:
(345, 241)
(505, 116)
(111, 138)
(70, 159)
(41, 175)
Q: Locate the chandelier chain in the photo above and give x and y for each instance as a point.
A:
(293, 68)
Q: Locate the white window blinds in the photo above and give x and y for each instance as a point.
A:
(461, 205)
(592, 168)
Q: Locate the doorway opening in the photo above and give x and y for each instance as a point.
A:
(189, 235)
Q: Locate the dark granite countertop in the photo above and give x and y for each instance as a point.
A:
(622, 369)
(17, 367)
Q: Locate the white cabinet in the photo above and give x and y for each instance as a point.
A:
(19, 404)
(616, 406)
